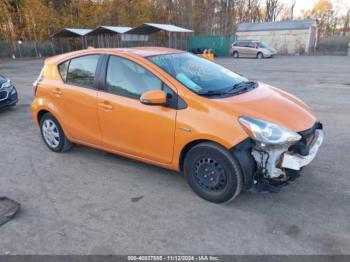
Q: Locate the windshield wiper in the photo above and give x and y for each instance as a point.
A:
(238, 88)
(212, 93)
(242, 87)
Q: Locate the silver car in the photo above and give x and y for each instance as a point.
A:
(251, 48)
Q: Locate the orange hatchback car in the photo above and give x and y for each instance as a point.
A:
(172, 109)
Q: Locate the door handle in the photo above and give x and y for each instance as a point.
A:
(57, 92)
(106, 106)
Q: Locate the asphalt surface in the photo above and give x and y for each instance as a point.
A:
(91, 202)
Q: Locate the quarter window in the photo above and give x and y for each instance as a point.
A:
(129, 79)
(63, 69)
(82, 70)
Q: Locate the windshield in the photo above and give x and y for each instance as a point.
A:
(197, 74)
(262, 45)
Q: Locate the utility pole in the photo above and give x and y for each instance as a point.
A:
(292, 9)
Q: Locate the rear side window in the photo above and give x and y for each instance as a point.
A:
(82, 70)
(63, 69)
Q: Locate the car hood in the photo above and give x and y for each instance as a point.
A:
(272, 50)
(271, 104)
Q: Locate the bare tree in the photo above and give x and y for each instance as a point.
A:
(272, 10)
(248, 11)
(342, 11)
(115, 12)
(225, 17)
(346, 23)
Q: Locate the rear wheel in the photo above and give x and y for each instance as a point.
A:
(213, 173)
(260, 55)
(53, 135)
(235, 54)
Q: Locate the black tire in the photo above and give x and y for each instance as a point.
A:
(213, 173)
(63, 144)
(259, 55)
(235, 54)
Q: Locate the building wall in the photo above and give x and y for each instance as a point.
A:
(284, 41)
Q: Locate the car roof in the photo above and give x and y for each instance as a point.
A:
(151, 51)
(248, 41)
(138, 51)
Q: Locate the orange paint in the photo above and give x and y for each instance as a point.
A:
(157, 134)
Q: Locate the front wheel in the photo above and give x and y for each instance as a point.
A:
(260, 55)
(213, 173)
(235, 54)
(53, 135)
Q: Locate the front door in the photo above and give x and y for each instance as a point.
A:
(129, 126)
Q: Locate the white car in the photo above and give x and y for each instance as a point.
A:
(251, 48)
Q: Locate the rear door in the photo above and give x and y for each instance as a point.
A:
(243, 48)
(76, 99)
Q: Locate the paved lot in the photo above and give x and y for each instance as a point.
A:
(91, 202)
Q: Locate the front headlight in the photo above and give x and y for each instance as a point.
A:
(268, 133)
(6, 84)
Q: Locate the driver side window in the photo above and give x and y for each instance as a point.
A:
(126, 78)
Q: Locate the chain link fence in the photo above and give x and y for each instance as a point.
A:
(40, 49)
(332, 45)
(59, 46)
(28, 49)
(219, 44)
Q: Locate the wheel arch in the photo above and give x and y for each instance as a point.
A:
(41, 113)
(235, 52)
(241, 152)
(259, 52)
(188, 147)
(44, 110)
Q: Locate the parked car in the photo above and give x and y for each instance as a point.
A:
(176, 110)
(8, 93)
(251, 48)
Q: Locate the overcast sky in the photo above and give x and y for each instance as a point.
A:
(308, 4)
(301, 4)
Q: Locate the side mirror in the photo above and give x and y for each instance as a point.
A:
(154, 97)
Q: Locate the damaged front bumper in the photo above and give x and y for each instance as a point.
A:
(278, 164)
(296, 161)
